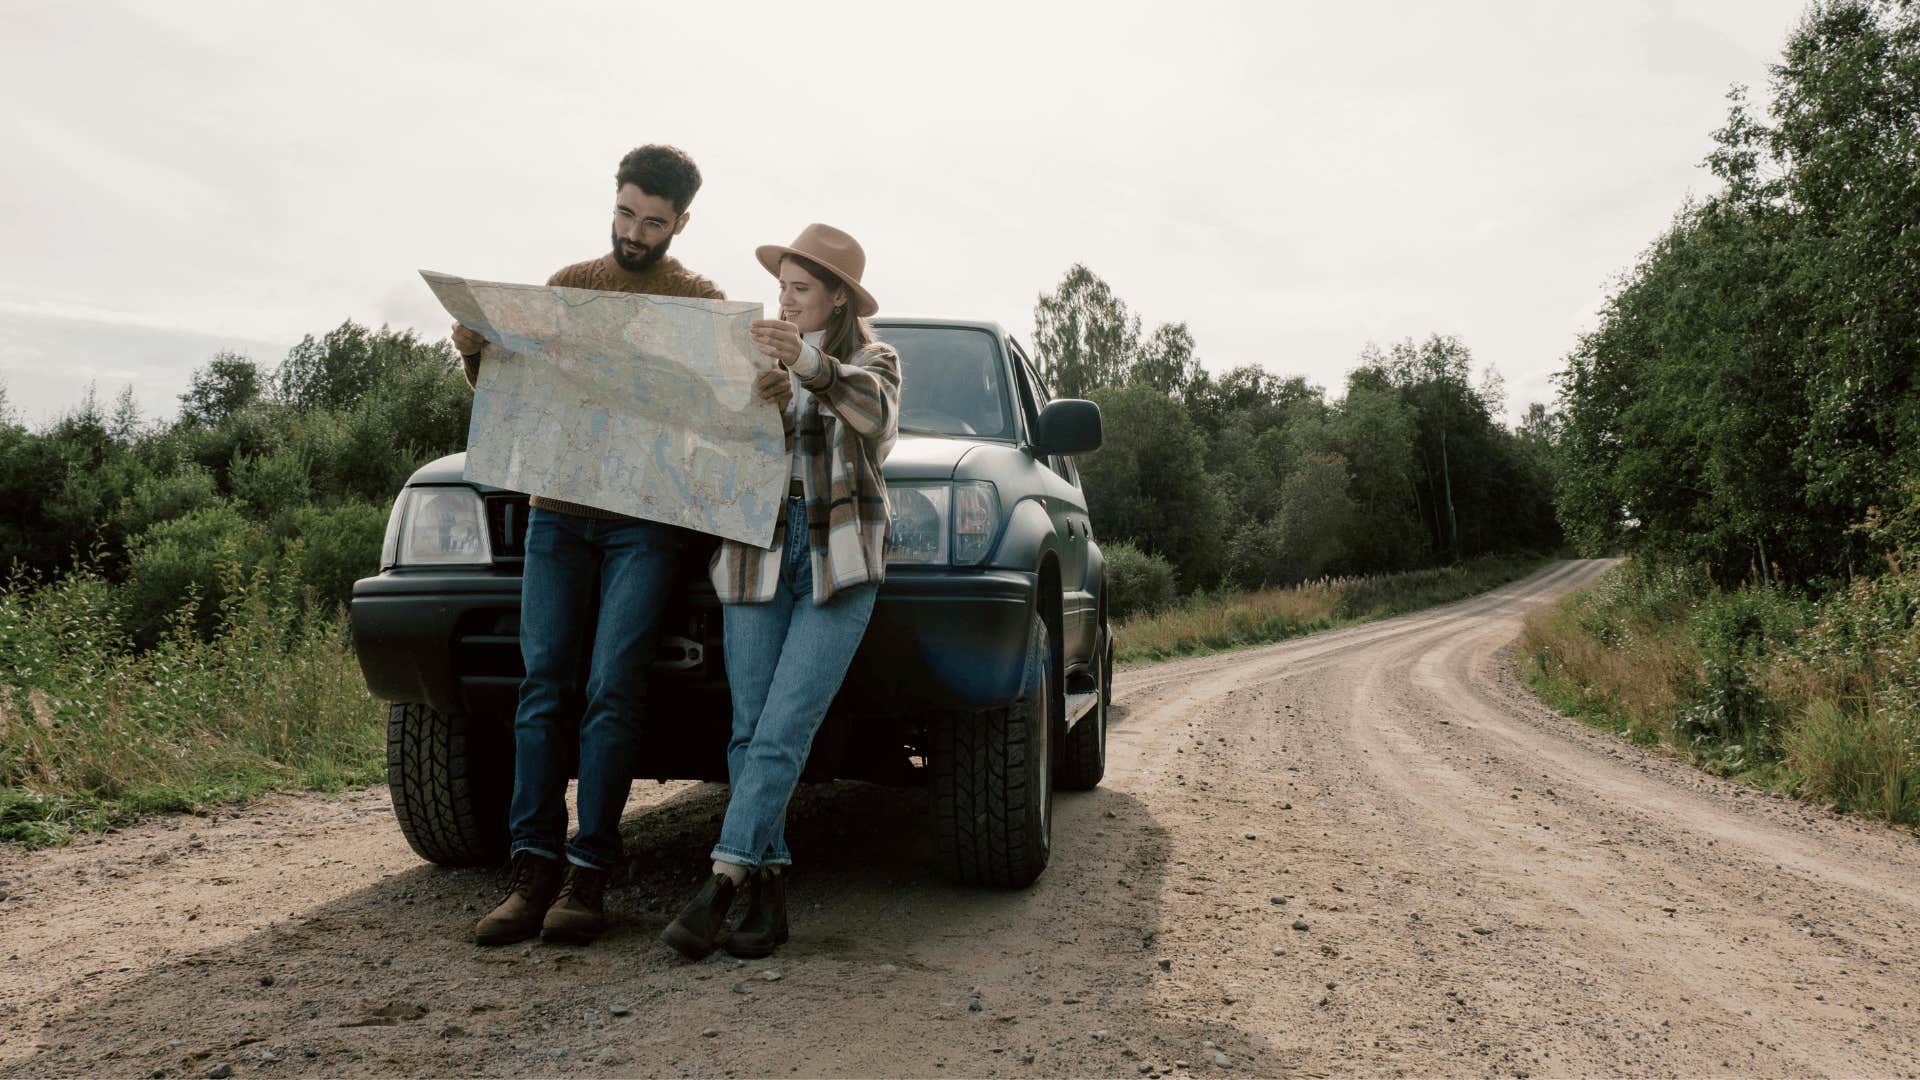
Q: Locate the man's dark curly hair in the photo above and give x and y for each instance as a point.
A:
(664, 172)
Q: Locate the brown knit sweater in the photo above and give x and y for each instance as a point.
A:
(664, 278)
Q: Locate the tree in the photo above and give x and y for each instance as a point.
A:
(1304, 536)
(1085, 335)
(229, 383)
(337, 370)
(1166, 362)
(1149, 484)
(1749, 395)
(1314, 508)
(1249, 395)
(125, 425)
(1373, 431)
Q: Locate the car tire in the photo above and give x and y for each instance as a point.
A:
(1083, 752)
(992, 781)
(450, 783)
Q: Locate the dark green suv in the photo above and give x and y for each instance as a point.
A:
(984, 674)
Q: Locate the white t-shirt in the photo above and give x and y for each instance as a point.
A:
(806, 367)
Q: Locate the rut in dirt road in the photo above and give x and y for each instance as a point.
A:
(1365, 851)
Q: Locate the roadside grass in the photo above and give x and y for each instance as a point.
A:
(94, 731)
(1818, 699)
(1216, 622)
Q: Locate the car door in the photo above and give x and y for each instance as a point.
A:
(1067, 505)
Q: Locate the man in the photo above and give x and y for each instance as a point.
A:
(592, 580)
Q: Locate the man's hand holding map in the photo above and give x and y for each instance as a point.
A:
(642, 405)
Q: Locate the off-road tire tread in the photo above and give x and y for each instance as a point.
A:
(449, 809)
(982, 818)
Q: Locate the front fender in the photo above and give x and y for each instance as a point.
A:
(1028, 537)
(1097, 577)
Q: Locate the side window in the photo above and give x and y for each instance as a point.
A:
(1023, 377)
(1069, 470)
(1058, 463)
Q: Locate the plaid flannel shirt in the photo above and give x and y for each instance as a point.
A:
(843, 432)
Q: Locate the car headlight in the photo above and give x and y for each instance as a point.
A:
(917, 532)
(436, 526)
(942, 523)
(976, 521)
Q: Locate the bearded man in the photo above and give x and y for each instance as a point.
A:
(595, 580)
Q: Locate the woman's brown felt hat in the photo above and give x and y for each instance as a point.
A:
(836, 251)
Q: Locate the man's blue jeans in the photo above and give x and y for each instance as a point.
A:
(785, 661)
(586, 583)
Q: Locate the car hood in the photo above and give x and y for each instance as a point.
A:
(926, 457)
(914, 457)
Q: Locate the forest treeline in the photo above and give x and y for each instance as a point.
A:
(1249, 479)
(1244, 479)
(1745, 422)
(1747, 403)
(289, 469)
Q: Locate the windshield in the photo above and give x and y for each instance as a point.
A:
(951, 381)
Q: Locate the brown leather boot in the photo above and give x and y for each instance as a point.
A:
(764, 926)
(580, 912)
(531, 886)
(697, 929)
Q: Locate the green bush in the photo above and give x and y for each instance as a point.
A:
(271, 485)
(1737, 634)
(1137, 582)
(162, 498)
(1855, 742)
(334, 546)
(193, 556)
(257, 429)
(1254, 557)
(362, 454)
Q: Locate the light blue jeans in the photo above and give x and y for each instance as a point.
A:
(785, 662)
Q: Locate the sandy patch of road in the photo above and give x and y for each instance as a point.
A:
(1364, 852)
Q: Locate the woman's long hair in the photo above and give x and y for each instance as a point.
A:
(846, 333)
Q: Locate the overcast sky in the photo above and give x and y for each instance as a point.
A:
(1290, 180)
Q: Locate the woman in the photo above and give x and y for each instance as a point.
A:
(794, 614)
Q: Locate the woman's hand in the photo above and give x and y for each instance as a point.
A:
(776, 339)
(775, 385)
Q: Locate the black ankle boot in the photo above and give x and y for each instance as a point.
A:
(698, 928)
(764, 926)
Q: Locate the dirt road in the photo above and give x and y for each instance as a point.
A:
(1364, 852)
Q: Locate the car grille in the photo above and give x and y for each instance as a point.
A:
(507, 527)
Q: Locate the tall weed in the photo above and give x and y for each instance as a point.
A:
(94, 728)
(1854, 682)
(1618, 652)
(1217, 621)
(1816, 697)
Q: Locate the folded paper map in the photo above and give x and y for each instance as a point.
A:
(642, 405)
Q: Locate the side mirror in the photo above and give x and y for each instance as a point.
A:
(1068, 426)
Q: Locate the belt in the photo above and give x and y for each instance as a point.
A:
(796, 489)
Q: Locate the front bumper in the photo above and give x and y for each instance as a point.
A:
(446, 637)
(939, 639)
